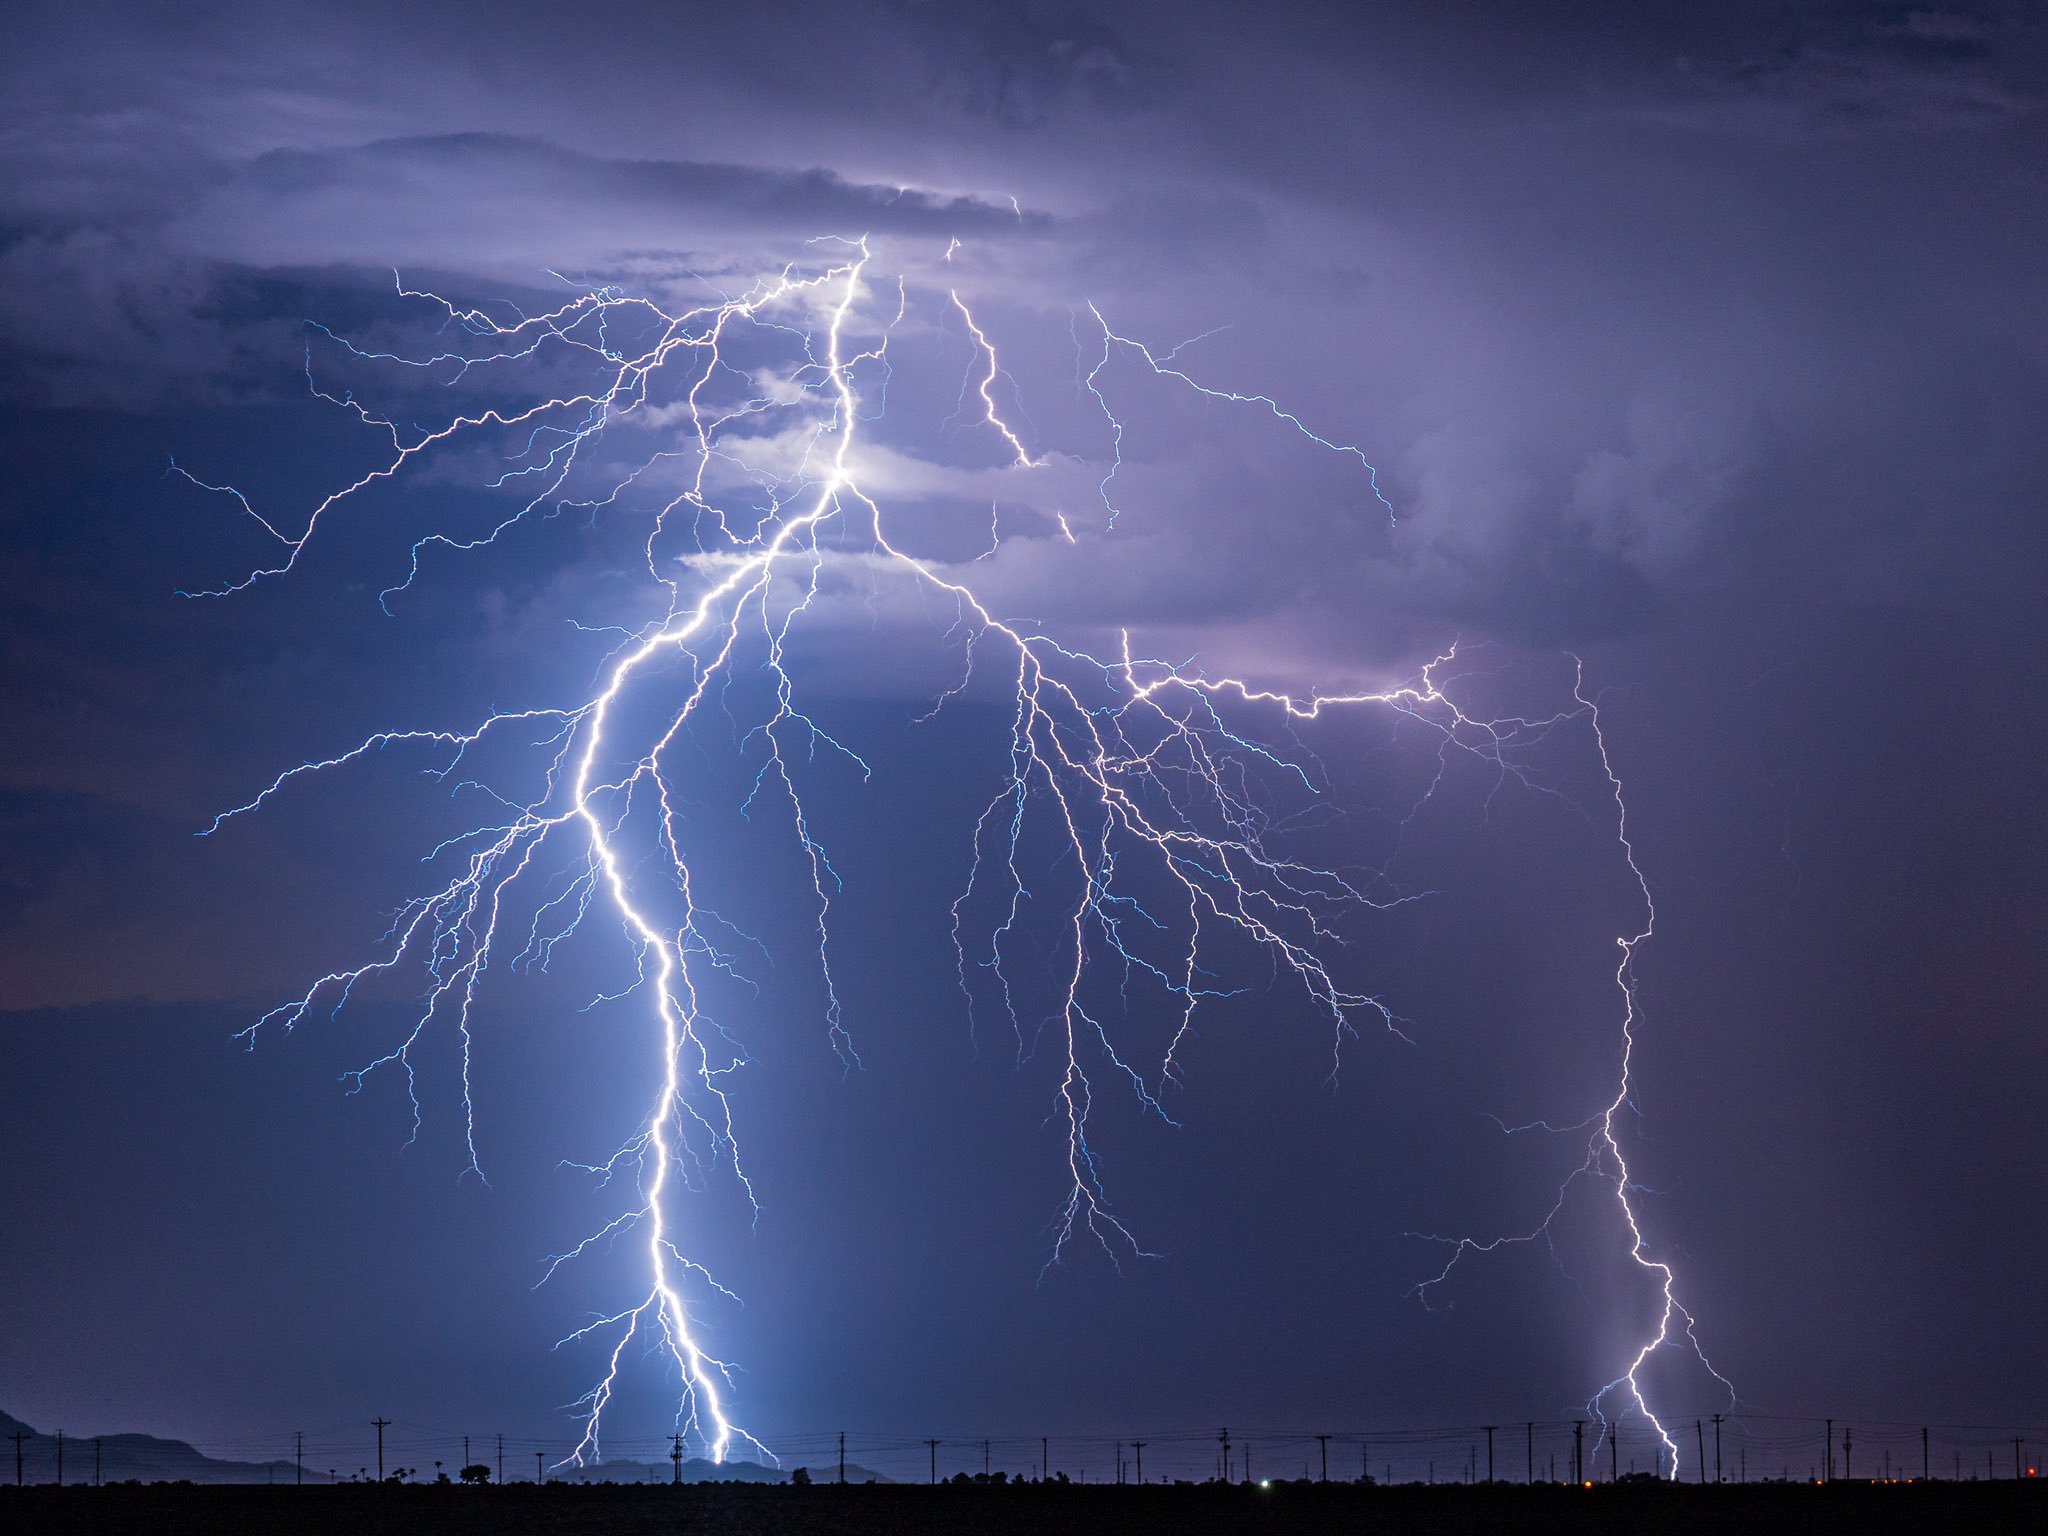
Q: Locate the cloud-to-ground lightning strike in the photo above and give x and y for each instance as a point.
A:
(1126, 810)
(1606, 1163)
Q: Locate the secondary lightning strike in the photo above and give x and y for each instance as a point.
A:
(1624, 979)
(1132, 766)
(1605, 1161)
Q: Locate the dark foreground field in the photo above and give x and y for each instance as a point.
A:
(732, 1510)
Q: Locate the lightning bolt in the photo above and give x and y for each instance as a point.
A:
(1607, 1147)
(1605, 1163)
(1131, 833)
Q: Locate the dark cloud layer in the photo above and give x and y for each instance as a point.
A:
(1709, 342)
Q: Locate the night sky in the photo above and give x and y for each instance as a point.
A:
(1706, 344)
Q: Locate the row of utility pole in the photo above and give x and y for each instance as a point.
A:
(20, 1436)
(1238, 1465)
(1225, 1466)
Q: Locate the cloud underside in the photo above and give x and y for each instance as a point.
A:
(1614, 304)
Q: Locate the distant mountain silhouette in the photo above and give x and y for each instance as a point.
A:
(142, 1458)
(148, 1459)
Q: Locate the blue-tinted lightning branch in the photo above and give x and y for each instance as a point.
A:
(1127, 838)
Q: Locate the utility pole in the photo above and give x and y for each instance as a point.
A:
(1923, 1454)
(934, 1445)
(1614, 1455)
(60, 1457)
(501, 1461)
(675, 1456)
(1531, 1427)
(95, 1461)
(1848, 1476)
(1119, 1463)
(380, 1423)
(539, 1477)
(1717, 1448)
(842, 1458)
(1489, 1428)
(17, 1437)
(1225, 1438)
(1699, 1431)
(984, 1457)
(1044, 1460)
(1324, 1442)
(299, 1458)
(1578, 1450)
(1138, 1446)
(1828, 1472)
(2016, 1472)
